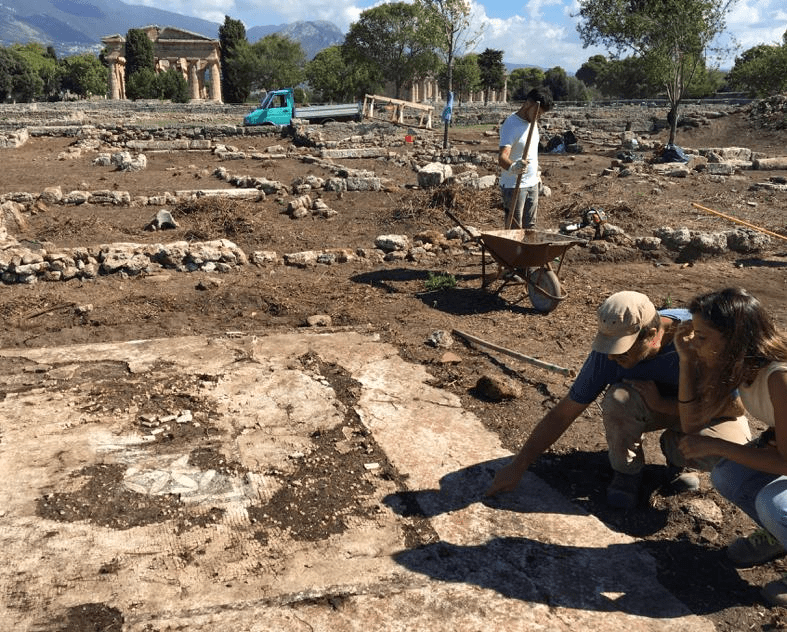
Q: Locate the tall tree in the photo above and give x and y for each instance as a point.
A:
(83, 75)
(139, 52)
(523, 80)
(43, 64)
(333, 79)
(760, 71)
(556, 80)
(453, 20)
(588, 71)
(467, 75)
(399, 40)
(671, 36)
(493, 71)
(277, 62)
(18, 80)
(626, 79)
(235, 72)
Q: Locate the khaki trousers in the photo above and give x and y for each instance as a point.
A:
(626, 418)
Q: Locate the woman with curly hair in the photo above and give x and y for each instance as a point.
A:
(732, 344)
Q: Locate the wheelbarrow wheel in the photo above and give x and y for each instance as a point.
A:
(543, 288)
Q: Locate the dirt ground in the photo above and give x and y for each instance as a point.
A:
(394, 299)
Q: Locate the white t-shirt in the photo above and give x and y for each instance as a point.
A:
(513, 132)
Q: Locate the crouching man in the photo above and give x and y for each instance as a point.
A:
(633, 357)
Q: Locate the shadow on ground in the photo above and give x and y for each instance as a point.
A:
(595, 578)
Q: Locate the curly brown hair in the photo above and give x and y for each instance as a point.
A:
(752, 339)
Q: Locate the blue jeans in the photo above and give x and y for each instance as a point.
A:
(762, 496)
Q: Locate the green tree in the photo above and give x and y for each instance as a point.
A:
(276, 62)
(705, 83)
(453, 20)
(523, 80)
(333, 79)
(467, 75)
(42, 63)
(556, 80)
(171, 85)
(398, 41)
(83, 75)
(235, 63)
(576, 90)
(588, 71)
(671, 37)
(18, 80)
(760, 71)
(493, 71)
(626, 79)
(142, 84)
(139, 52)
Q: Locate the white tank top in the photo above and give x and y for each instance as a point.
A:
(757, 398)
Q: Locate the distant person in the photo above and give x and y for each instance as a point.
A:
(510, 158)
(732, 343)
(634, 359)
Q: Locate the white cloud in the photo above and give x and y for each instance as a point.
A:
(539, 32)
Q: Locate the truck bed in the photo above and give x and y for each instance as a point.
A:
(339, 110)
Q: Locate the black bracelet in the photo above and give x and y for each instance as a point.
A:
(687, 401)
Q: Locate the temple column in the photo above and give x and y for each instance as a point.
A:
(114, 90)
(120, 77)
(193, 79)
(215, 81)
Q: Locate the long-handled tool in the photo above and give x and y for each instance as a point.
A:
(739, 221)
(510, 216)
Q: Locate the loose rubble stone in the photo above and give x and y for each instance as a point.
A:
(391, 243)
(440, 339)
(319, 320)
(496, 388)
(710, 243)
(434, 174)
(162, 221)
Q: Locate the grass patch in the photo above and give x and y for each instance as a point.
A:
(440, 281)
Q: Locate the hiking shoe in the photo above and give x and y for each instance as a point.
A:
(775, 592)
(758, 548)
(683, 480)
(623, 491)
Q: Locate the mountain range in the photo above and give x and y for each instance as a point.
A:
(75, 26)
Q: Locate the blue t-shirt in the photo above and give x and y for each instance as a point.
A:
(599, 371)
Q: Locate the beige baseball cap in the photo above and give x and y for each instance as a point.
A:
(620, 319)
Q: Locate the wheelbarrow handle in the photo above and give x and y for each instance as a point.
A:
(461, 225)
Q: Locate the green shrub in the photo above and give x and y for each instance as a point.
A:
(440, 281)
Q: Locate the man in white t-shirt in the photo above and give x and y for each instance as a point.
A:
(513, 137)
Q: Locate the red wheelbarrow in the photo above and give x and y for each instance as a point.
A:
(525, 256)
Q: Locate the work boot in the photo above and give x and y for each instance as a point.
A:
(623, 491)
(775, 592)
(758, 548)
(682, 479)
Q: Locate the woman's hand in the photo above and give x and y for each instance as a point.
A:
(683, 338)
(697, 447)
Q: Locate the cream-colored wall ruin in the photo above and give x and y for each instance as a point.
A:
(190, 53)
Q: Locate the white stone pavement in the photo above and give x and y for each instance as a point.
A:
(529, 561)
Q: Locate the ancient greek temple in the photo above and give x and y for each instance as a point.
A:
(192, 54)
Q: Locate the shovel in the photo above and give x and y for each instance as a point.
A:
(510, 215)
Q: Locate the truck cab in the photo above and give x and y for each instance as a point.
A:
(275, 109)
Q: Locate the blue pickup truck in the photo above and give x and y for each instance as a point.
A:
(278, 108)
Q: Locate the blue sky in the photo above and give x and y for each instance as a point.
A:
(536, 32)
